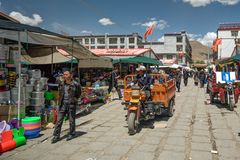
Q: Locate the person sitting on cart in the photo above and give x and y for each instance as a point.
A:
(144, 81)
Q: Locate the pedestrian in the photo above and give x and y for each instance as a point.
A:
(185, 76)
(202, 78)
(178, 79)
(69, 92)
(113, 83)
(195, 77)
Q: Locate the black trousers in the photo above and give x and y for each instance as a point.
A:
(69, 110)
(117, 89)
(178, 84)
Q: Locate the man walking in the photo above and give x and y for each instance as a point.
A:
(178, 79)
(69, 92)
(113, 83)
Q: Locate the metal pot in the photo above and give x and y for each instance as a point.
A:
(32, 81)
(29, 88)
(25, 78)
(44, 80)
(36, 73)
(37, 86)
(36, 102)
(38, 95)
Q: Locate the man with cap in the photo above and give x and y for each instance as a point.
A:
(144, 80)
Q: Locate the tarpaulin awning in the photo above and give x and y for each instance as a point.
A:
(138, 60)
(227, 61)
(54, 58)
(96, 63)
(35, 35)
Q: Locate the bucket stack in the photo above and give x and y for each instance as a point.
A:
(32, 127)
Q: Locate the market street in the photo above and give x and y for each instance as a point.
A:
(197, 131)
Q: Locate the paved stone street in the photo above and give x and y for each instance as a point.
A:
(197, 131)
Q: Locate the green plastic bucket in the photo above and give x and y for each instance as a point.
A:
(30, 120)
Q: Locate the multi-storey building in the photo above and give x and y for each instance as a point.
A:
(229, 33)
(175, 48)
(109, 41)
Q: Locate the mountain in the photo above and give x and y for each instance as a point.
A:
(199, 51)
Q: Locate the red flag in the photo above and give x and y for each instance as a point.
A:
(218, 41)
(149, 31)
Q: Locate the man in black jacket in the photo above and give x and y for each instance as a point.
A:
(69, 92)
(113, 83)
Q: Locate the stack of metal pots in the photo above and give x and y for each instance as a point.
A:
(35, 90)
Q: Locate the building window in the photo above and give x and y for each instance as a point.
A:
(92, 47)
(113, 47)
(234, 33)
(160, 56)
(80, 41)
(131, 46)
(101, 47)
(139, 41)
(179, 39)
(131, 40)
(179, 48)
(86, 41)
(122, 46)
(112, 40)
(122, 40)
(169, 57)
(101, 40)
(92, 40)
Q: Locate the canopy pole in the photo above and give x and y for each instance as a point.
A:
(19, 76)
(72, 57)
(52, 62)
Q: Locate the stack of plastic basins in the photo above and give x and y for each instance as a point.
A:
(32, 126)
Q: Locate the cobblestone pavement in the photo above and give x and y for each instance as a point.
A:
(197, 131)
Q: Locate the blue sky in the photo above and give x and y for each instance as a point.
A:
(200, 18)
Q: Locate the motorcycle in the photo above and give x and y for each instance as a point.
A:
(139, 107)
(230, 96)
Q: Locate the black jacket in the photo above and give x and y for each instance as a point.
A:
(74, 92)
(144, 81)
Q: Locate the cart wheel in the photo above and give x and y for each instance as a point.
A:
(211, 97)
(231, 105)
(132, 125)
(171, 108)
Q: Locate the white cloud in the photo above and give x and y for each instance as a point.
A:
(206, 40)
(193, 36)
(158, 24)
(86, 32)
(63, 29)
(105, 21)
(203, 3)
(32, 21)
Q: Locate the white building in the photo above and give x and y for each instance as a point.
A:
(230, 35)
(175, 48)
(109, 41)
